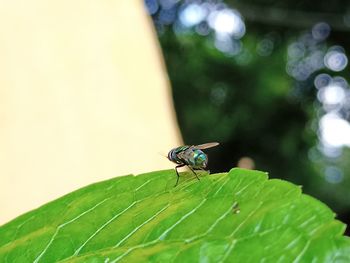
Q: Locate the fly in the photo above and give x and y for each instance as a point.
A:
(191, 156)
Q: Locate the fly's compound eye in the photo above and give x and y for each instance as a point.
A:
(170, 155)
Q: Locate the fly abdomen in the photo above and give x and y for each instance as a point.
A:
(200, 159)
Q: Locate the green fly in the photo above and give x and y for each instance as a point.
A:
(191, 156)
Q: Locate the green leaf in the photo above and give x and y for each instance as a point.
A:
(239, 216)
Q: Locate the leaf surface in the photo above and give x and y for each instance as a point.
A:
(239, 216)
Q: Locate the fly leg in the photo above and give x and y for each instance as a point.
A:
(177, 173)
(193, 172)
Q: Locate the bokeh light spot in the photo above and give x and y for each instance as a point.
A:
(227, 45)
(333, 175)
(167, 4)
(321, 31)
(334, 131)
(322, 80)
(167, 16)
(335, 60)
(152, 6)
(330, 151)
(296, 50)
(265, 47)
(219, 94)
(227, 21)
(331, 94)
(246, 163)
(192, 15)
(202, 29)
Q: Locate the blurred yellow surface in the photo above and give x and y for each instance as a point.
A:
(84, 97)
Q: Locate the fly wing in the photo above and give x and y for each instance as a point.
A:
(206, 145)
(185, 155)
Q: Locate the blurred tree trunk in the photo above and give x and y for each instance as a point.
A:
(84, 96)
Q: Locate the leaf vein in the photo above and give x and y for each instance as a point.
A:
(76, 252)
(166, 232)
(144, 223)
(63, 225)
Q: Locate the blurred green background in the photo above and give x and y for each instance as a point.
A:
(269, 81)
